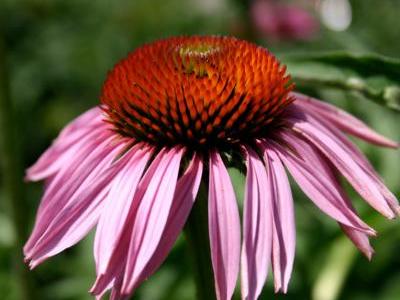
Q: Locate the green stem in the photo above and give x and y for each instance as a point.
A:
(332, 276)
(196, 231)
(12, 178)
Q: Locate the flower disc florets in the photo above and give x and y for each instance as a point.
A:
(197, 92)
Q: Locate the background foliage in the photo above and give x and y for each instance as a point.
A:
(57, 54)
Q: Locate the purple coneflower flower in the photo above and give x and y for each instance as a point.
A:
(174, 113)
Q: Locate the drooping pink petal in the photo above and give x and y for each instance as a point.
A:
(61, 183)
(312, 158)
(358, 157)
(284, 231)
(151, 218)
(360, 239)
(257, 228)
(146, 221)
(68, 234)
(224, 228)
(93, 116)
(184, 197)
(334, 132)
(365, 184)
(80, 213)
(116, 206)
(56, 157)
(116, 290)
(314, 177)
(343, 120)
(67, 181)
(78, 133)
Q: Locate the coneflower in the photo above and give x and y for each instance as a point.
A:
(175, 113)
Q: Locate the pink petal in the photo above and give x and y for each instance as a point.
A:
(145, 224)
(66, 182)
(75, 135)
(224, 228)
(80, 213)
(365, 184)
(184, 197)
(315, 178)
(59, 155)
(312, 158)
(116, 290)
(343, 120)
(151, 217)
(185, 194)
(359, 239)
(257, 228)
(92, 117)
(116, 206)
(67, 234)
(357, 155)
(74, 169)
(284, 231)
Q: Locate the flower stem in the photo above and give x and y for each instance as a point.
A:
(196, 232)
(12, 178)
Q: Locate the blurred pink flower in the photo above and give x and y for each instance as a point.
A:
(132, 167)
(276, 20)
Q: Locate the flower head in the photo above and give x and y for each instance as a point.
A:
(171, 111)
(188, 91)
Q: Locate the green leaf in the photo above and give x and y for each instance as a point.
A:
(370, 76)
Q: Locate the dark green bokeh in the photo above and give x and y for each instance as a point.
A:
(58, 54)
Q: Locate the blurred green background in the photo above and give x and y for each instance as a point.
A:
(56, 54)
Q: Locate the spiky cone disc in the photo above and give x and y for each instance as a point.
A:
(200, 92)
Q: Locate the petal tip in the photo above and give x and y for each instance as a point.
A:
(396, 210)
(280, 289)
(391, 215)
(33, 264)
(393, 144)
(29, 176)
(370, 254)
(373, 233)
